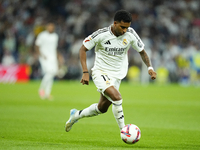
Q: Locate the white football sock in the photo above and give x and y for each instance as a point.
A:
(43, 83)
(118, 113)
(49, 85)
(90, 111)
(47, 82)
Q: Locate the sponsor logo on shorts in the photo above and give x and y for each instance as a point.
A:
(107, 83)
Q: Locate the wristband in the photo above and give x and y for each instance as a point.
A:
(149, 68)
(85, 72)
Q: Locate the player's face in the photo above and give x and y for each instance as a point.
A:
(120, 27)
(50, 27)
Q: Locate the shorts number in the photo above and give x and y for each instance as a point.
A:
(105, 77)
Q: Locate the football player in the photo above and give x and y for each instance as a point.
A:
(110, 67)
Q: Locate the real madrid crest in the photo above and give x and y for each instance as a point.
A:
(125, 42)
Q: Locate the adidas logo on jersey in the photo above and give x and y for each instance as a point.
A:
(108, 42)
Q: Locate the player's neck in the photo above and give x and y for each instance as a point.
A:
(50, 32)
(113, 30)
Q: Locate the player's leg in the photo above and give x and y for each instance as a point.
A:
(117, 109)
(103, 104)
(50, 69)
(109, 95)
(92, 110)
(42, 87)
(44, 79)
(109, 87)
(49, 78)
(46, 85)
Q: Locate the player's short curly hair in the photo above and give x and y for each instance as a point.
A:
(122, 15)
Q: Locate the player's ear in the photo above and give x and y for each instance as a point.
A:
(115, 23)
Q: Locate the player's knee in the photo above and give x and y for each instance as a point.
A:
(102, 109)
(116, 97)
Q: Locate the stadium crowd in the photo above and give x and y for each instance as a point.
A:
(170, 30)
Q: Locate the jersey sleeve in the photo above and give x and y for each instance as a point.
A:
(137, 43)
(57, 39)
(90, 41)
(38, 40)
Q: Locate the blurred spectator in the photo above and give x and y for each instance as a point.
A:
(2, 36)
(170, 29)
(195, 68)
(8, 59)
(9, 44)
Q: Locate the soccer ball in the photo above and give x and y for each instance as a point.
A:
(130, 134)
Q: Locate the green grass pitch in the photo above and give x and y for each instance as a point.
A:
(168, 116)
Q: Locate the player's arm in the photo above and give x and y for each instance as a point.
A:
(83, 56)
(147, 61)
(38, 43)
(37, 49)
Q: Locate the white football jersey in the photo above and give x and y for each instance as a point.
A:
(48, 43)
(111, 51)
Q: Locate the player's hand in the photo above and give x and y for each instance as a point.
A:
(85, 79)
(152, 74)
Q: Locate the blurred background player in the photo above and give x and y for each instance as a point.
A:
(46, 46)
(110, 67)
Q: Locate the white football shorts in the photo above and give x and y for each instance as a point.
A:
(49, 66)
(103, 80)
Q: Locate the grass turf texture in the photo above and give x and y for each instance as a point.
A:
(168, 117)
